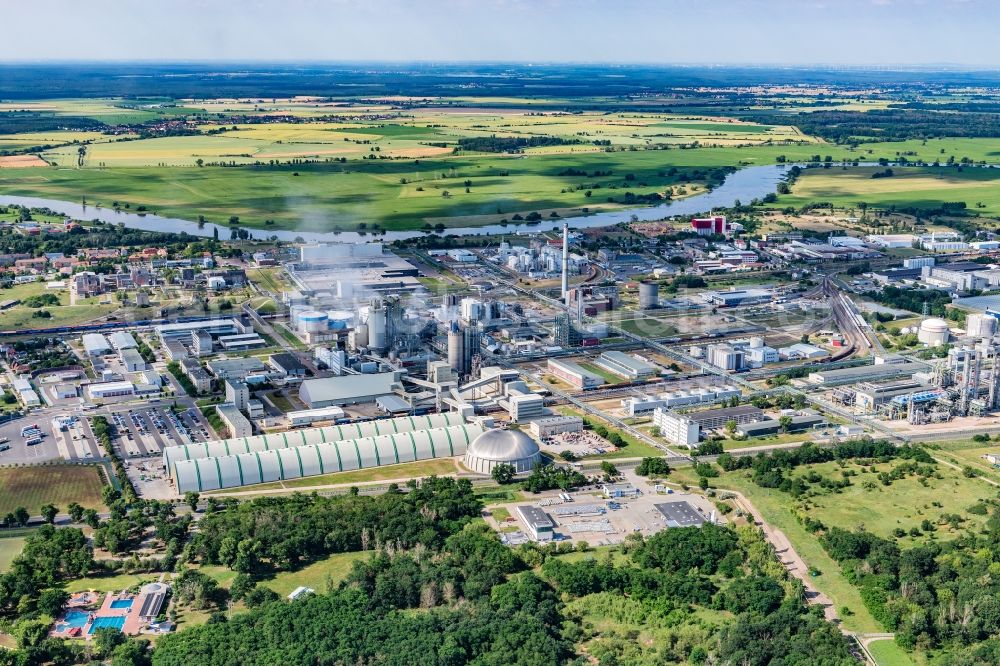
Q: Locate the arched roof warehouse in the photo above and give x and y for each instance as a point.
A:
(243, 469)
(284, 440)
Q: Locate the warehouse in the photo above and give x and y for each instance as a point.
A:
(96, 344)
(348, 389)
(573, 374)
(539, 524)
(245, 469)
(626, 366)
(237, 368)
(501, 446)
(283, 440)
(555, 425)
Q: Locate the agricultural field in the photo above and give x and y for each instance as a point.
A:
(33, 487)
(917, 187)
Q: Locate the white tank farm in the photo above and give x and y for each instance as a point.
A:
(244, 469)
(290, 438)
(338, 320)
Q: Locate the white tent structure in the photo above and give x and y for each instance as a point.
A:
(306, 436)
(243, 469)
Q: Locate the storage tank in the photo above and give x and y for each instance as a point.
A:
(360, 336)
(377, 338)
(456, 348)
(980, 326)
(312, 321)
(933, 332)
(338, 319)
(649, 295)
(756, 342)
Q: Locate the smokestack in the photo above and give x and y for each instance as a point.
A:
(565, 262)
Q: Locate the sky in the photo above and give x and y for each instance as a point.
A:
(787, 32)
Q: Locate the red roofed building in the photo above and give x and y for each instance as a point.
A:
(706, 226)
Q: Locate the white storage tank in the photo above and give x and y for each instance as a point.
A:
(933, 332)
(377, 337)
(312, 321)
(339, 319)
(756, 342)
(980, 326)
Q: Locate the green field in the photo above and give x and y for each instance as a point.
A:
(10, 547)
(887, 653)
(920, 187)
(32, 487)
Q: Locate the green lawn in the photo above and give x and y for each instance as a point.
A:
(887, 653)
(10, 547)
(32, 487)
(111, 583)
(333, 569)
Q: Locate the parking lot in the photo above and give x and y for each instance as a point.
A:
(75, 443)
(145, 431)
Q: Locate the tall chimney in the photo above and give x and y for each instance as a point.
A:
(565, 261)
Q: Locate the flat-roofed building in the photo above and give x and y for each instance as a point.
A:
(305, 417)
(713, 419)
(237, 393)
(538, 523)
(864, 373)
(525, 406)
(676, 428)
(214, 327)
(555, 425)
(201, 343)
(237, 424)
(236, 368)
(199, 377)
(773, 426)
(242, 341)
(106, 390)
(618, 490)
(175, 350)
(573, 374)
(625, 365)
(122, 340)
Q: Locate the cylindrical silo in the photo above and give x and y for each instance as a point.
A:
(456, 348)
(649, 295)
(312, 321)
(377, 338)
(980, 326)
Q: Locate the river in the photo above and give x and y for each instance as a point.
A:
(748, 183)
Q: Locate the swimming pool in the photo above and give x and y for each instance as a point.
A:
(109, 622)
(74, 619)
(121, 603)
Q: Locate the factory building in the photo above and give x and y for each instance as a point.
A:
(348, 389)
(738, 297)
(525, 406)
(305, 437)
(243, 469)
(676, 428)
(555, 425)
(237, 368)
(637, 406)
(573, 374)
(726, 357)
(706, 226)
(236, 423)
(500, 446)
(625, 365)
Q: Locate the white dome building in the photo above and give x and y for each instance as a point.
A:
(933, 332)
(497, 446)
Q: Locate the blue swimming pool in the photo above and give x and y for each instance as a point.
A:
(112, 622)
(74, 619)
(121, 603)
